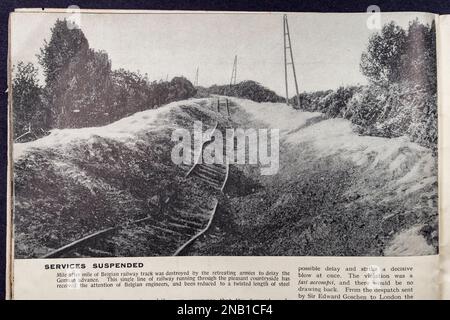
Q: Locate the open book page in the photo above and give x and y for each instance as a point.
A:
(174, 155)
(444, 134)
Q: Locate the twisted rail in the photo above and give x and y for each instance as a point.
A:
(210, 175)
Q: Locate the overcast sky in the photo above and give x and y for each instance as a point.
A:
(327, 47)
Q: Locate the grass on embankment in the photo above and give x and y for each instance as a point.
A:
(78, 181)
(323, 204)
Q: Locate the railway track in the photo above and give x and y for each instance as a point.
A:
(156, 235)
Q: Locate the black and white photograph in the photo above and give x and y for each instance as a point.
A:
(223, 134)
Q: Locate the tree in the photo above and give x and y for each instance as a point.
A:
(248, 90)
(382, 61)
(82, 90)
(132, 93)
(29, 113)
(395, 55)
(419, 61)
(78, 79)
(180, 88)
(82, 95)
(402, 97)
(65, 44)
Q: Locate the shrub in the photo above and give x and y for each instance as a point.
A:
(398, 110)
(251, 90)
(29, 113)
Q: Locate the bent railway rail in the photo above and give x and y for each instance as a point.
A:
(212, 175)
(156, 235)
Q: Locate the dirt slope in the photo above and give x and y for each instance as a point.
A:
(78, 181)
(336, 193)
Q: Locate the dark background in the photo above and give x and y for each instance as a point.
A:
(7, 6)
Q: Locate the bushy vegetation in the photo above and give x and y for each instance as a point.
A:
(401, 97)
(81, 89)
(29, 114)
(251, 90)
(331, 102)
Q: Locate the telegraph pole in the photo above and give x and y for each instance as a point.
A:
(285, 60)
(288, 45)
(234, 72)
(196, 78)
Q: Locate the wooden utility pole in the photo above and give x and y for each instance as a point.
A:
(285, 60)
(233, 72)
(288, 45)
(196, 78)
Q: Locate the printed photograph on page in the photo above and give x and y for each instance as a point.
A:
(223, 134)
